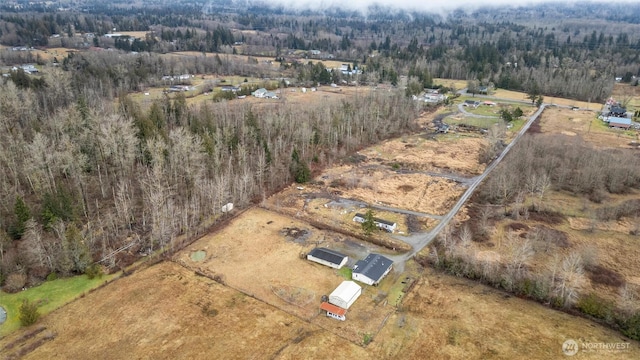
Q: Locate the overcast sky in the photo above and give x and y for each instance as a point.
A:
(427, 5)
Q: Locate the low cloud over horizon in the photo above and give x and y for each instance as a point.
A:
(422, 5)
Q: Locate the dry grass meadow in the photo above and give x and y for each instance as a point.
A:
(167, 311)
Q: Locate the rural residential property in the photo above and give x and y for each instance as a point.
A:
(372, 269)
(388, 226)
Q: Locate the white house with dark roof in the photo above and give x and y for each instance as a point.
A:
(327, 257)
(372, 269)
(389, 226)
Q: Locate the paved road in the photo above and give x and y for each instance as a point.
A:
(420, 241)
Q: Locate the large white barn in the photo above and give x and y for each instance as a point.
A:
(345, 294)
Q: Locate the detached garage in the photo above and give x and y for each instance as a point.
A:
(327, 257)
(345, 294)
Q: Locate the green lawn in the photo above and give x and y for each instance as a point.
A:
(345, 272)
(51, 295)
(485, 110)
(484, 123)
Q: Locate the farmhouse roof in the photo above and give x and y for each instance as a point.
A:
(373, 266)
(325, 254)
(333, 309)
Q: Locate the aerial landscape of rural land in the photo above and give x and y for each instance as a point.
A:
(249, 179)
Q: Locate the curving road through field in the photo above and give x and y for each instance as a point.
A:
(420, 241)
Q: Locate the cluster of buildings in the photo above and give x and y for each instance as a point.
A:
(616, 115)
(370, 271)
(264, 94)
(28, 68)
(431, 96)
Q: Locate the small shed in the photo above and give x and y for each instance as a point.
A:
(328, 257)
(333, 311)
(372, 269)
(345, 294)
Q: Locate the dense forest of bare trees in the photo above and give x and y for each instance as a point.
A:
(80, 182)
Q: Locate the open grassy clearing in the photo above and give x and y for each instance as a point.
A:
(494, 110)
(135, 34)
(319, 204)
(452, 84)
(260, 254)
(520, 96)
(445, 317)
(49, 295)
(585, 125)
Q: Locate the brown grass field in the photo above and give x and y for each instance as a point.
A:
(441, 154)
(168, 312)
(445, 317)
(615, 249)
(520, 96)
(585, 125)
